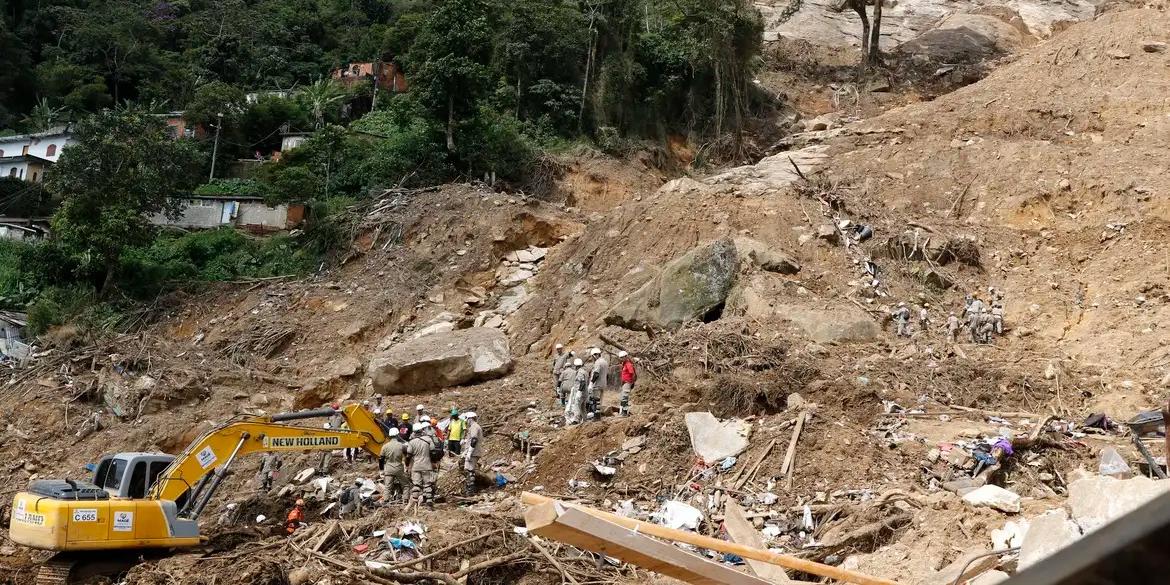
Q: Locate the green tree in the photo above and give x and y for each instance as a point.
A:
(121, 170)
(322, 99)
(43, 116)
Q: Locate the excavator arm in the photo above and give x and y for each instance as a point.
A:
(209, 457)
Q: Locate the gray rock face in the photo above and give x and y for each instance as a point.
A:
(766, 258)
(441, 360)
(965, 38)
(690, 287)
(843, 325)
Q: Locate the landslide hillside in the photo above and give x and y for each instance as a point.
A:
(1046, 180)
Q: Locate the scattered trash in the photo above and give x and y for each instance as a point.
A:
(677, 515)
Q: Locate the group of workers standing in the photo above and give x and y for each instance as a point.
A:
(409, 460)
(983, 319)
(580, 388)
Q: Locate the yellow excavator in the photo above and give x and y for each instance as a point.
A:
(142, 504)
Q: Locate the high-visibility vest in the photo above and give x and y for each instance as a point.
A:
(456, 430)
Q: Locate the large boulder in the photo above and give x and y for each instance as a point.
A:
(691, 287)
(965, 38)
(840, 325)
(439, 360)
(765, 257)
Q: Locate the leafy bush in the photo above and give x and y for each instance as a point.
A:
(238, 187)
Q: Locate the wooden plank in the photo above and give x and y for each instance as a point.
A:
(747, 552)
(575, 527)
(790, 456)
(741, 531)
(739, 481)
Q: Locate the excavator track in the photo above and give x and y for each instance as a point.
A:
(69, 568)
(55, 571)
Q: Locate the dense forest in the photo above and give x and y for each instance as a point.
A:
(493, 89)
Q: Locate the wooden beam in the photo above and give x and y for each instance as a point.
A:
(741, 531)
(747, 552)
(573, 526)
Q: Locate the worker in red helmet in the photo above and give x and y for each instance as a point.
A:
(296, 518)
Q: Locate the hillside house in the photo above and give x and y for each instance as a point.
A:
(12, 345)
(179, 127)
(25, 167)
(384, 75)
(23, 228)
(244, 212)
(45, 146)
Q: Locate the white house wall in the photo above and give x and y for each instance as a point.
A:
(21, 170)
(212, 213)
(259, 214)
(37, 145)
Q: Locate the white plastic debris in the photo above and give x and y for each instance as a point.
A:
(807, 520)
(678, 515)
(261, 518)
(769, 498)
(770, 530)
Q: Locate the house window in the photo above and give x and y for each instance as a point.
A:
(34, 176)
(12, 172)
(1, 152)
(24, 150)
(51, 150)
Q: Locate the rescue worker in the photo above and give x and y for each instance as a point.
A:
(924, 317)
(986, 327)
(973, 312)
(952, 327)
(566, 379)
(404, 427)
(455, 432)
(901, 317)
(296, 518)
(997, 318)
(629, 376)
(269, 465)
(559, 359)
(576, 393)
(392, 462)
(349, 501)
(422, 468)
(598, 379)
(434, 424)
(472, 452)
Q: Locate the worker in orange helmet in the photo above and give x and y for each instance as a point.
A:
(296, 517)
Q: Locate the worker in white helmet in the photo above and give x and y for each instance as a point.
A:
(598, 379)
(559, 359)
(574, 404)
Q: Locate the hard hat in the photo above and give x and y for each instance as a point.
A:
(901, 304)
(454, 410)
(418, 426)
(420, 407)
(559, 346)
(357, 481)
(578, 362)
(470, 414)
(925, 305)
(261, 518)
(595, 351)
(424, 418)
(300, 502)
(406, 416)
(393, 432)
(623, 353)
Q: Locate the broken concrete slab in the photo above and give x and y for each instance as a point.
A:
(714, 439)
(1096, 501)
(993, 496)
(441, 360)
(690, 287)
(513, 277)
(1047, 534)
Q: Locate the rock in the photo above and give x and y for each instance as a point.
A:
(825, 326)
(934, 278)
(766, 258)
(1154, 46)
(440, 327)
(537, 254)
(692, 286)
(1115, 54)
(493, 322)
(964, 39)
(514, 277)
(715, 440)
(771, 36)
(351, 329)
(304, 475)
(993, 496)
(30, 467)
(822, 122)
(300, 576)
(828, 232)
(1098, 500)
(258, 400)
(796, 401)
(1047, 534)
(436, 298)
(512, 300)
(440, 360)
